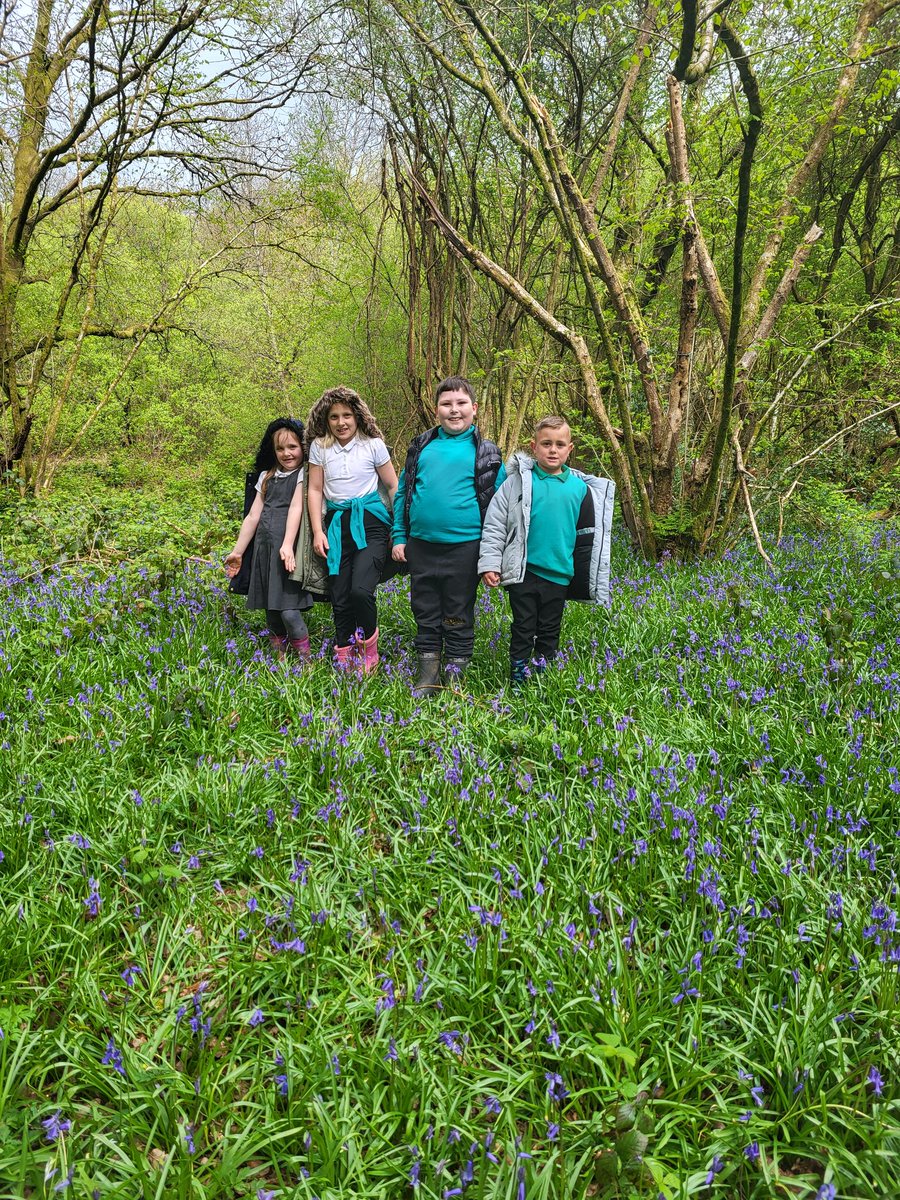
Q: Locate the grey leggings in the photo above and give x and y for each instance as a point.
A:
(287, 621)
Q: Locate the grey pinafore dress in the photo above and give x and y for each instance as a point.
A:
(270, 585)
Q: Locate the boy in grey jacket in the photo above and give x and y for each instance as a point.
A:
(546, 539)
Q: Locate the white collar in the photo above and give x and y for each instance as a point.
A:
(349, 445)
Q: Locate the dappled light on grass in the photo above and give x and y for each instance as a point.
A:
(631, 931)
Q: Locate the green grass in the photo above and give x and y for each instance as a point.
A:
(368, 928)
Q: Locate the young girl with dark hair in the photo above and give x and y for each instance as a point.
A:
(347, 461)
(279, 491)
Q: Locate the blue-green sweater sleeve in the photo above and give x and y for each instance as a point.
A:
(399, 532)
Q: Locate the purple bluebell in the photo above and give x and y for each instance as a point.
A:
(94, 902)
(714, 1168)
(113, 1058)
(54, 1125)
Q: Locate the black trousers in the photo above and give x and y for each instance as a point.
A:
(537, 609)
(443, 580)
(352, 590)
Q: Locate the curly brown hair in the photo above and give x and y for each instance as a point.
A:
(317, 425)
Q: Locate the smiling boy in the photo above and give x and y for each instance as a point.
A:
(445, 488)
(546, 539)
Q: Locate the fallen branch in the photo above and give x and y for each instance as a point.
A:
(743, 475)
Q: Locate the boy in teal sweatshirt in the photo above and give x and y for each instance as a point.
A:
(546, 539)
(449, 479)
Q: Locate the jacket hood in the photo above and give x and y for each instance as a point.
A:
(519, 463)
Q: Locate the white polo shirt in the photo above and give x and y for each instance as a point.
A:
(350, 470)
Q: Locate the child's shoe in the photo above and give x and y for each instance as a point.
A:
(518, 673)
(369, 656)
(428, 681)
(343, 659)
(300, 647)
(454, 669)
(279, 645)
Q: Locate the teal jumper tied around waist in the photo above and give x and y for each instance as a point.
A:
(358, 507)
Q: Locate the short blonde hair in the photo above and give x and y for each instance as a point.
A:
(552, 422)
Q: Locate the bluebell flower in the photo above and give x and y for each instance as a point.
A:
(557, 1091)
(113, 1058)
(714, 1168)
(54, 1125)
(66, 1182)
(94, 901)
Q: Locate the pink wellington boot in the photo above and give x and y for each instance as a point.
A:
(342, 657)
(300, 647)
(370, 654)
(278, 644)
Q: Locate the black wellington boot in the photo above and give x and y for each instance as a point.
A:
(454, 669)
(429, 679)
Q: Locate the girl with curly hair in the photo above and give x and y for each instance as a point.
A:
(350, 522)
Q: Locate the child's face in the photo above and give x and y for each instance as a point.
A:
(342, 423)
(455, 411)
(551, 449)
(288, 451)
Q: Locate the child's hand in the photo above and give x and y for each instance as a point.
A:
(491, 578)
(233, 565)
(320, 545)
(398, 554)
(286, 554)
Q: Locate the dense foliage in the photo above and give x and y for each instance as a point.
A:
(267, 932)
(677, 226)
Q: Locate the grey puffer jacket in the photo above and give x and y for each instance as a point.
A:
(505, 536)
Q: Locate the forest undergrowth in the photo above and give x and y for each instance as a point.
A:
(269, 931)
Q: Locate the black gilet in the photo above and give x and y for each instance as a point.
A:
(487, 464)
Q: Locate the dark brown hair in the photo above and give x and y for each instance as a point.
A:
(266, 458)
(317, 425)
(455, 383)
